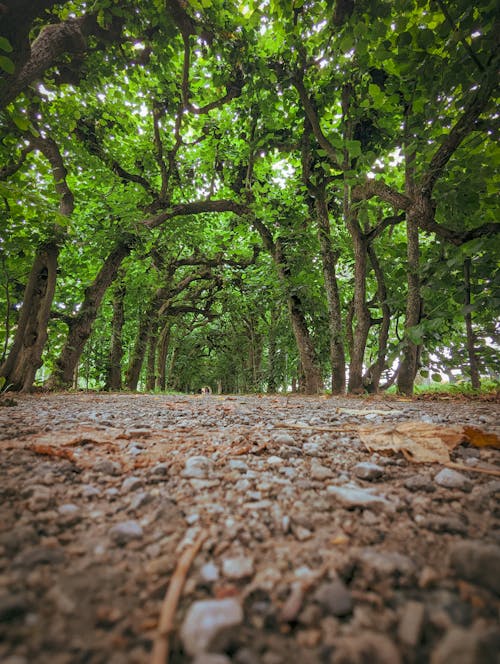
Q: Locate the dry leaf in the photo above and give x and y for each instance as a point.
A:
(420, 442)
(480, 438)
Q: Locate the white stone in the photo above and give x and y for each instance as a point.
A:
(197, 467)
(205, 619)
(238, 567)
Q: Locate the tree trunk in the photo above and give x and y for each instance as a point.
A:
(313, 382)
(408, 367)
(329, 261)
(25, 356)
(361, 313)
(372, 377)
(80, 327)
(139, 351)
(272, 370)
(114, 372)
(151, 359)
(471, 339)
(163, 344)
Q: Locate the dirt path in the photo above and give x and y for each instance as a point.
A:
(316, 550)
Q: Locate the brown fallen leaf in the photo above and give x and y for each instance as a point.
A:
(420, 442)
(48, 450)
(480, 438)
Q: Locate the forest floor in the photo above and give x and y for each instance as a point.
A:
(309, 542)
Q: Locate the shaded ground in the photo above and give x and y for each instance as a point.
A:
(312, 558)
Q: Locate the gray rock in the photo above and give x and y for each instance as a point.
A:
(89, 491)
(209, 573)
(477, 562)
(419, 483)
(107, 467)
(411, 623)
(386, 563)
(238, 464)
(365, 647)
(320, 472)
(357, 497)
(197, 467)
(313, 449)
(445, 524)
(40, 499)
(125, 532)
(160, 470)
(467, 646)
(451, 479)
(238, 567)
(284, 439)
(335, 598)
(205, 619)
(40, 555)
(131, 484)
(368, 471)
(141, 498)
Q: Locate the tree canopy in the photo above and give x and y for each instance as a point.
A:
(253, 196)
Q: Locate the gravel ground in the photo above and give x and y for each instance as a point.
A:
(315, 551)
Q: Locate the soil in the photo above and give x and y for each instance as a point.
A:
(316, 550)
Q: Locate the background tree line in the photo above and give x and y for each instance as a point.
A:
(248, 195)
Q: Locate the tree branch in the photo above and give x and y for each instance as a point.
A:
(380, 189)
(465, 43)
(48, 147)
(381, 226)
(195, 207)
(13, 167)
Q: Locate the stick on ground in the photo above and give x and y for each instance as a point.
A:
(171, 600)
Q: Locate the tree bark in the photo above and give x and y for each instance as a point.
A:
(163, 344)
(151, 358)
(139, 351)
(329, 261)
(114, 369)
(361, 314)
(80, 327)
(313, 382)
(471, 338)
(25, 357)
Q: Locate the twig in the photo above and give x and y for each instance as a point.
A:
(170, 601)
(316, 428)
(473, 469)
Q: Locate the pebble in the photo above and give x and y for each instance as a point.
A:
(365, 647)
(284, 439)
(274, 460)
(467, 646)
(89, 491)
(368, 471)
(419, 483)
(320, 472)
(411, 623)
(335, 598)
(387, 563)
(139, 500)
(107, 467)
(451, 479)
(160, 470)
(239, 567)
(357, 497)
(205, 619)
(131, 484)
(313, 449)
(40, 555)
(239, 465)
(197, 467)
(476, 562)
(209, 572)
(125, 532)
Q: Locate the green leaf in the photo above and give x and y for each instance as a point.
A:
(21, 122)
(437, 378)
(404, 39)
(6, 64)
(5, 45)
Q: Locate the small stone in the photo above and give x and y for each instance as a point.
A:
(107, 467)
(419, 483)
(141, 498)
(312, 449)
(284, 439)
(160, 470)
(274, 460)
(301, 533)
(40, 555)
(320, 472)
(131, 484)
(40, 499)
(335, 598)
(387, 563)
(125, 532)
(477, 562)
(445, 524)
(89, 491)
(239, 465)
(68, 510)
(451, 479)
(197, 467)
(209, 573)
(238, 567)
(368, 471)
(205, 619)
(467, 646)
(365, 647)
(428, 577)
(357, 497)
(411, 623)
